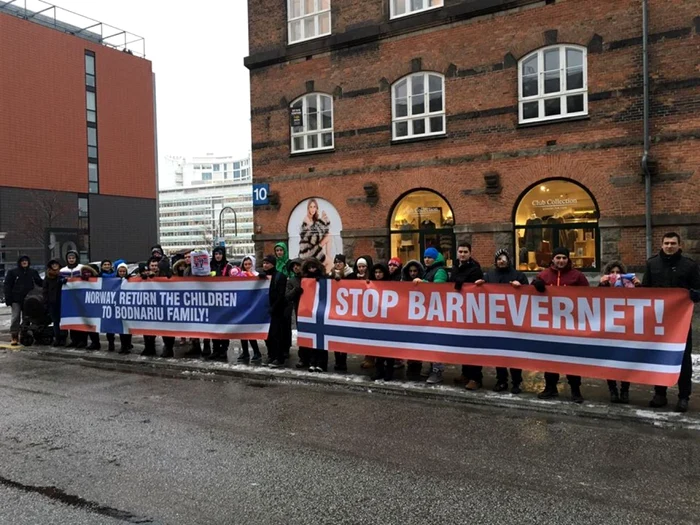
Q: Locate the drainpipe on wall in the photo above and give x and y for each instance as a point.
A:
(645, 156)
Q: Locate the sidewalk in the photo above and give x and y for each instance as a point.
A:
(595, 391)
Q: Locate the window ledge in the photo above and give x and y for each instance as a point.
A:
(396, 142)
(553, 121)
(312, 152)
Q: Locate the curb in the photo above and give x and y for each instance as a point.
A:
(212, 370)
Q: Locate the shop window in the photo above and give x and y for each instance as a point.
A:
(556, 213)
(422, 219)
(316, 130)
(553, 84)
(418, 106)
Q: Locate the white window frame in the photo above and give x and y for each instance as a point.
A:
(426, 7)
(409, 118)
(562, 94)
(316, 14)
(318, 132)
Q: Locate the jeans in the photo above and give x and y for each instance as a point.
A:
(685, 380)
(16, 319)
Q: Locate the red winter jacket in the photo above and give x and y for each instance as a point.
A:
(567, 277)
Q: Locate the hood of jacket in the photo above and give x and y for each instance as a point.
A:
(253, 260)
(281, 264)
(86, 268)
(23, 258)
(312, 262)
(180, 267)
(404, 271)
(440, 261)
(384, 268)
(370, 265)
(291, 263)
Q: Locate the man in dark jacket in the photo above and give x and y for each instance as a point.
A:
(18, 283)
(276, 337)
(292, 294)
(504, 273)
(467, 270)
(560, 273)
(220, 267)
(671, 269)
(153, 270)
(52, 299)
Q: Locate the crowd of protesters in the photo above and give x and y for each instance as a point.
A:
(668, 269)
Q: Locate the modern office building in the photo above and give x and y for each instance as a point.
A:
(77, 137)
(191, 212)
(509, 123)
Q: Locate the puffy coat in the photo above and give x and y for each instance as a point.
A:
(20, 281)
(676, 271)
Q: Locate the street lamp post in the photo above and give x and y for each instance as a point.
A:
(221, 224)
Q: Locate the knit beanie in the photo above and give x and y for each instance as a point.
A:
(361, 261)
(561, 250)
(431, 253)
(270, 259)
(340, 258)
(395, 261)
(502, 252)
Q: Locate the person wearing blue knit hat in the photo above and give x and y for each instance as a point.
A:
(435, 272)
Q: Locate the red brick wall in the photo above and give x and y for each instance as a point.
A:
(43, 132)
(603, 153)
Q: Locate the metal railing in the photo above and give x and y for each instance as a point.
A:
(49, 15)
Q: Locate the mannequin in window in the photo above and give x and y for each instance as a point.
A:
(427, 224)
(533, 237)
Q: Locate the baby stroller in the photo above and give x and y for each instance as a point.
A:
(36, 321)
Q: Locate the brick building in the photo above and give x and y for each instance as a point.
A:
(77, 139)
(506, 123)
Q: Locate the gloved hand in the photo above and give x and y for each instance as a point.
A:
(63, 280)
(458, 285)
(695, 295)
(539, 285)
(262, 276)
(84, 277)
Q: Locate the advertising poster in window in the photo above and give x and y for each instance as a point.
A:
(314, 231)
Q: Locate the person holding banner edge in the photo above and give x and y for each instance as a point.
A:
(503, 272)
(560, 273)
(671, 269)
(157, 265)
(277, 348)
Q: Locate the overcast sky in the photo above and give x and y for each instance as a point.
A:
(197, 50)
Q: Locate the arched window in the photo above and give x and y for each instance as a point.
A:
(316, 130)
(422, 219)
(553, 213)
(553, 84)
(418, 106)
(307, 19)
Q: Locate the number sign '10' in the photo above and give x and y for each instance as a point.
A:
(261, 194)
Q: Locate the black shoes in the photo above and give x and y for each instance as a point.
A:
(500, 387)
(148, 352)
(125, 349)
(277, 363)
(682, 405)
(614, 396)
(515, 390)
(624, 397)
(658, 401)
(80, 345)
(576, 395)
(243, 359)
(94, 346)
(548, 393)
(110, 347)
(167, 352)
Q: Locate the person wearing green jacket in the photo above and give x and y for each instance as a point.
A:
(282, 254)
(435, 272)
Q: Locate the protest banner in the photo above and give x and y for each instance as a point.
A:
(635, 335)
(212, 307)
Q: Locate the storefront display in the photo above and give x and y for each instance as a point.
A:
(556, 213)
(314, 231)
(421, 220)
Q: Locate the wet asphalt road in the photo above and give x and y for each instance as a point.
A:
(81, 445)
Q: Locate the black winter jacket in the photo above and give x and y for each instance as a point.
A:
(468, 272)
(505, 276)
(52, 288)
(19, 282)
(278, 287)
(676, 271)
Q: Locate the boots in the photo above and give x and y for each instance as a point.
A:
(549, 392)
(15, 340)
(624, 396)
(196, 350)
(576, 395)
(658, 401)
(614, 395)
(435, 377)
(110, 346)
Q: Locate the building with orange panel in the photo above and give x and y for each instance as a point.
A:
(77, 139)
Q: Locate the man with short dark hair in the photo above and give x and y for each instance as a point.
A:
(155, 265)
(671, 269)
(467, 270)
(560, 273)
(277, 347)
